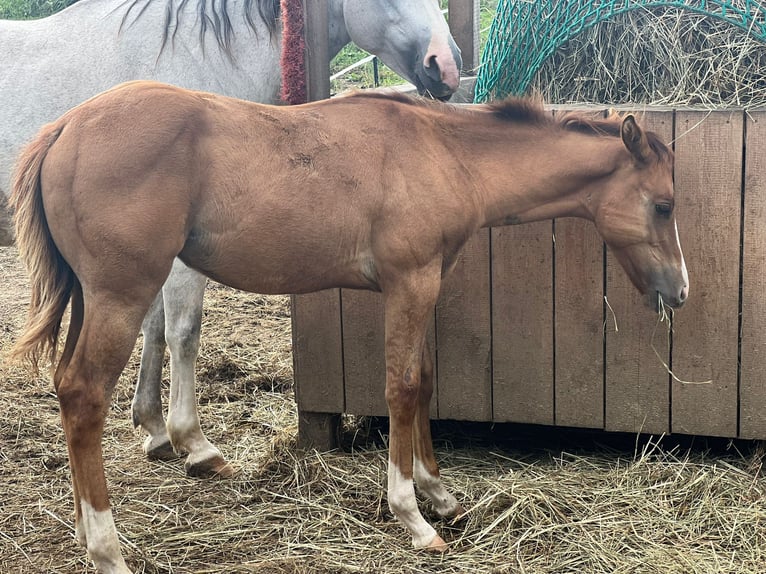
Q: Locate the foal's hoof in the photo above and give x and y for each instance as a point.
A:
(160, 450)
(215, 467)
(437, 545)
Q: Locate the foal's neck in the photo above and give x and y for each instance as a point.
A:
(526, 173)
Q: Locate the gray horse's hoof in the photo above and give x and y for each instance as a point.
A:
(160, 451)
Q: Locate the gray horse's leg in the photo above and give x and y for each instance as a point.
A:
(147, 401)
(183, 293)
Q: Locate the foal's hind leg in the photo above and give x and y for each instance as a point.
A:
(84, 385)
(73, 334)
(147, 399)
(426, 470)
(183, 294)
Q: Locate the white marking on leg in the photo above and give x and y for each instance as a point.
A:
(102, 543)
(79, 533)
(444, 503)
(404, 505)
(183, 419)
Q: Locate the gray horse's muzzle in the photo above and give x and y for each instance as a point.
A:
(438, 72)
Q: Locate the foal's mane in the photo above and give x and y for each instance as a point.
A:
(529, 110)
(211, 14)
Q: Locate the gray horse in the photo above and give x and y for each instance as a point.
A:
(232, 48)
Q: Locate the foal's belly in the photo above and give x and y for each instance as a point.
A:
(282, 263)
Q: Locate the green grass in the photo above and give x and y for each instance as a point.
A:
(361, 77)
(29, 9)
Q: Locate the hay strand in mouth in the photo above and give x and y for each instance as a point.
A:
(614, 317)
(665, 315)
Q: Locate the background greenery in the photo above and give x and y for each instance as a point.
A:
(27, 9)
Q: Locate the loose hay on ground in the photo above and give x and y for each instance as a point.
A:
(533, 506)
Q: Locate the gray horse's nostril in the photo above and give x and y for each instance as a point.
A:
(432, 69)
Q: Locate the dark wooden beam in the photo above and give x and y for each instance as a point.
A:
(464, 25)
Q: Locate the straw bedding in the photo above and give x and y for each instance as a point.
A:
(539, 500)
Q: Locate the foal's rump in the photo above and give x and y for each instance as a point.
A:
(118, 178)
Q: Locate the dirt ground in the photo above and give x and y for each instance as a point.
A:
(535, 504)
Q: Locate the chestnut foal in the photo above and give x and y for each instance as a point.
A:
(365, 191)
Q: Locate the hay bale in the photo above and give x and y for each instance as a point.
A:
(661, 56)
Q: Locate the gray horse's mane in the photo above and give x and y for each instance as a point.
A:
(212, 14)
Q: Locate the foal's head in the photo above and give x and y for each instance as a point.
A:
(636, 215)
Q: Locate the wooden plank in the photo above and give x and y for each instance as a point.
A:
(522, 323)
(463, 336)
(317, 344)
(464, 25)
(317, 352)
(579, 344)
(637, 385)
(364, 355)
(708, 176)
(753, 350)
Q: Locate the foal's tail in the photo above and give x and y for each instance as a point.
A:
(51, 276)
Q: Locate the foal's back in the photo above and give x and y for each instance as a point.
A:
(264, 198)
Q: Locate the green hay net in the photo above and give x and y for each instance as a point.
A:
(525, 33)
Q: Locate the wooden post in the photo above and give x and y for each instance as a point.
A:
(318, 430)
(317, 37)
(464, 25)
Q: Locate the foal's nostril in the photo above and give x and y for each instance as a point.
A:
(683, 295)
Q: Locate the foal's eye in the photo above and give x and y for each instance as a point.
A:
(664, 209)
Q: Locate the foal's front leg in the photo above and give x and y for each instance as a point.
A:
(407, 307)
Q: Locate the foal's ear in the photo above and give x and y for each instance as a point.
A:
(634, 139)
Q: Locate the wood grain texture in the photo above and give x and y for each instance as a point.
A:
(753, 351)
(579, 300)
(317, 352)
(317, 37)
(464, 25)
(637, 388)
(522, 323)
(708, 175)
(463, 336)
(364, 358)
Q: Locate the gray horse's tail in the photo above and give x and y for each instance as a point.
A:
(51, 277)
